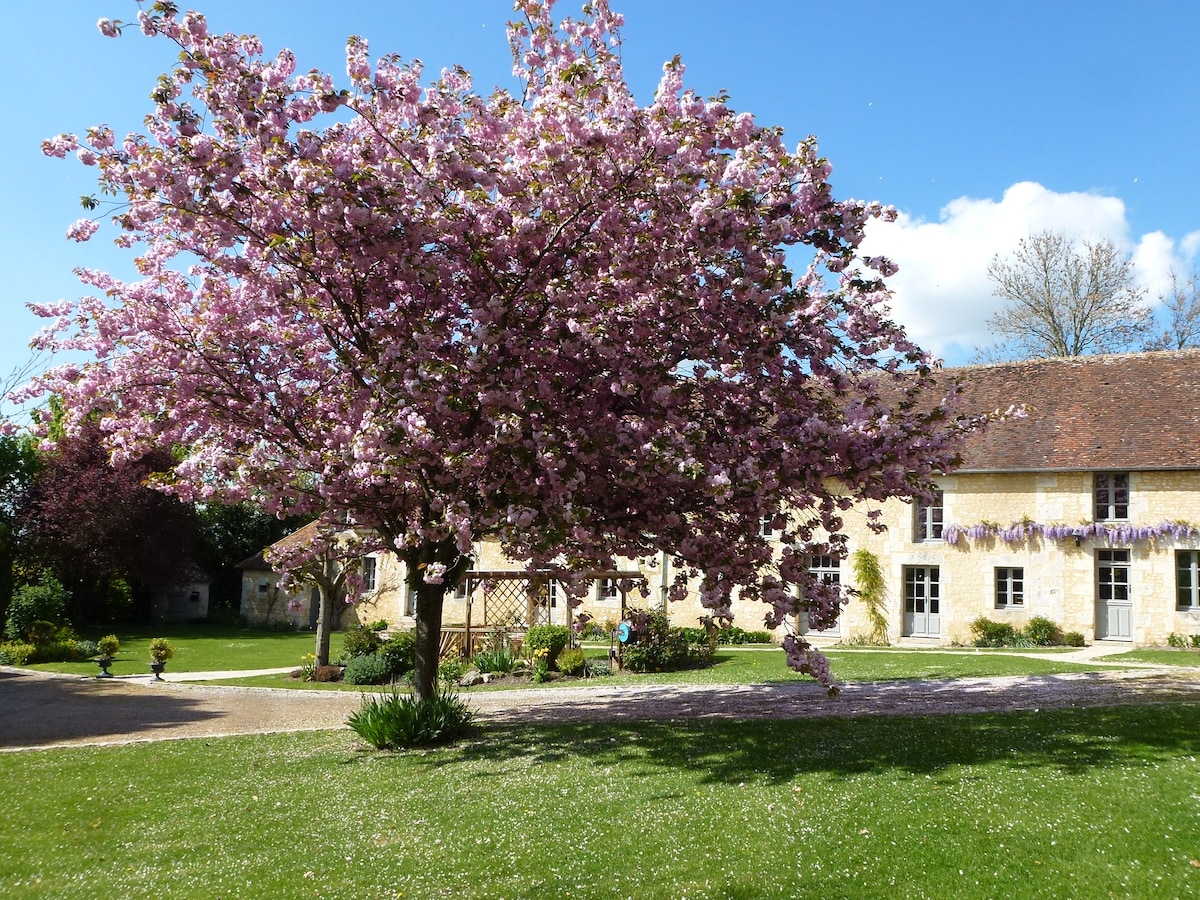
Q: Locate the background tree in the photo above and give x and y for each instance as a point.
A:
(230, 534)
(1065, 299)
(1182, 303)
(330, 557)
(18, 467)
(107, 537)
(555, 318)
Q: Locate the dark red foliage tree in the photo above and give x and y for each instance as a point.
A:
(97, 527)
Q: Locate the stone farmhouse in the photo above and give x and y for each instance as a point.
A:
(1085, 510)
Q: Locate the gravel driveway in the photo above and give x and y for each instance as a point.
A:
(40, 710)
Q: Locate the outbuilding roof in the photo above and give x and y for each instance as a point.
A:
(1123, 412)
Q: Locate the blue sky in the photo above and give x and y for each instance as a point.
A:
(980, 121)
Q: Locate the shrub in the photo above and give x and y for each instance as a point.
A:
(32, 603)
(735, 635)
(395, 722)
(400, 653)
(571, 661)
(41, 632)
(55, 651)
(16, 653)
(1195, 641)
(593, 669)
(451, 670)
(1042, 632)
(369, 668)
(86, 649)
(108, 645)
(1073, 639)
(993, 634)
(661, 648)
(552, 638)
(599, 631)
(161, 650)
(1176, 640)
(360, 641)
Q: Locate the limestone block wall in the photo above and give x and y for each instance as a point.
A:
(1060, 575)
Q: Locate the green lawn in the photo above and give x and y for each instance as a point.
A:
(202, 648)
(1159, 657)
(1019, 805)
(766, 665)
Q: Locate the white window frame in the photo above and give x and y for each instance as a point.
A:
(929, 519)
(1010, 587)
(607, 589)
(1187, 590)
(826, 569)
(368, 569)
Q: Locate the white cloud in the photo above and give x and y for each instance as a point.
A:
(942, 293)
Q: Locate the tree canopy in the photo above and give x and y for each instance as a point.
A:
(559, 319)
(1065, 299)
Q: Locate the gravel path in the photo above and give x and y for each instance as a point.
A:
(39, 710)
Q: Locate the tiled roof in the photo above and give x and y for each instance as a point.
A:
(300, 536)
(1127, 412)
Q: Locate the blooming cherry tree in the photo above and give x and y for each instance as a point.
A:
(555, 318)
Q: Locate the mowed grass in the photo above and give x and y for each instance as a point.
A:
(767, 665)
(220, 648)
(1072, 803)
(202, 648)
(1159, 657)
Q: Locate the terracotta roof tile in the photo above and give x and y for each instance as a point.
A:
(1127, 412)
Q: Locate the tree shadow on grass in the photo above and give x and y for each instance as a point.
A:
(725, 751)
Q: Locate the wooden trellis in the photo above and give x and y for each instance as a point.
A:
(511, 601)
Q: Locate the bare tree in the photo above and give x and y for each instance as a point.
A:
(1182, 303)
(1064, 299)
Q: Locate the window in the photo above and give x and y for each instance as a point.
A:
(1010, 586)
(1111, 495)
(367, 568)
(1187, 579)
(608, 589)
(766, 526)
(928, 525)
(826, 569)
(463, 589)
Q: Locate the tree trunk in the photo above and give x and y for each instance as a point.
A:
(429, 638)
(324, 624)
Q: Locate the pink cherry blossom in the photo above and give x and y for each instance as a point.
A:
(82, 229)
(557, 318)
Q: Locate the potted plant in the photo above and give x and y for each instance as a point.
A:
(160, 651)
(106, 649)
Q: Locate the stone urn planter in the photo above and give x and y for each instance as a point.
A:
(107, 648)
(160, 651)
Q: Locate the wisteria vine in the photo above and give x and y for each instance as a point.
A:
(1113, 533)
